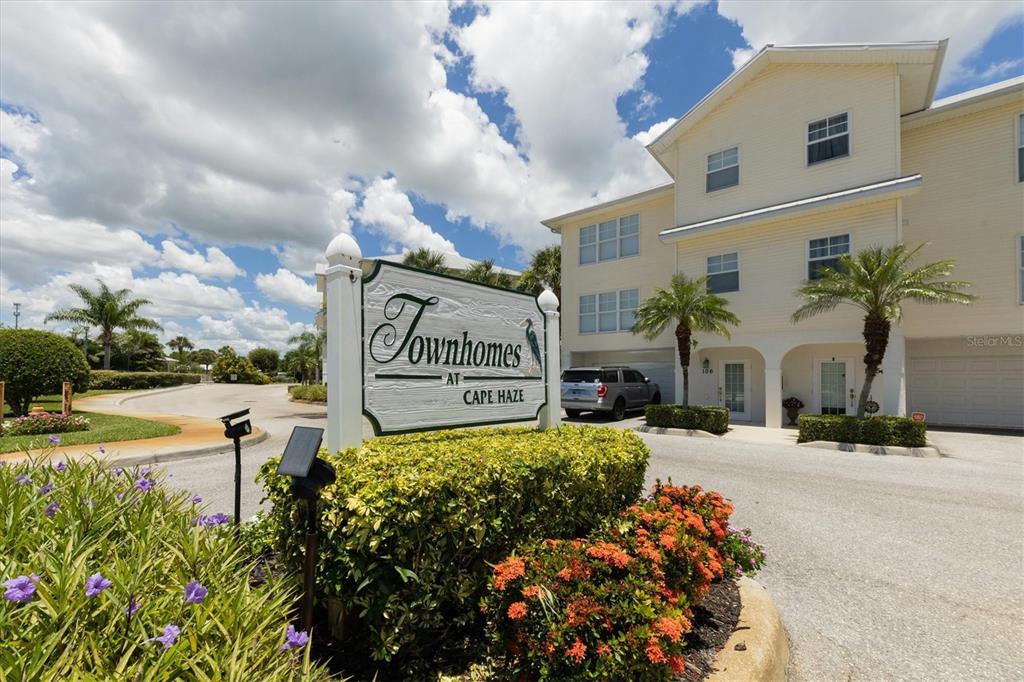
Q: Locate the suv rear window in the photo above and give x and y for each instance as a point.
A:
(633, 376)
(580, 376)
(609, 376)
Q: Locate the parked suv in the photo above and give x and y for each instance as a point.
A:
(610, 388)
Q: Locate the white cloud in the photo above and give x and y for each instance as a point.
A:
(284, 286)
(388, 212)
(248, 328)
(967, 24)
(216, 263)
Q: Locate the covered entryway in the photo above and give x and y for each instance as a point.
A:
(734, 388)
(984, 391)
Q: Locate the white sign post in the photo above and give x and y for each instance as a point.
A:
(344, 286)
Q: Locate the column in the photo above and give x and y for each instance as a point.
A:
(551, 414)
(894, 376)
(773, 397)
(343, 288)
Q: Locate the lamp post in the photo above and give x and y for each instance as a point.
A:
(235, 431)
(17, 314)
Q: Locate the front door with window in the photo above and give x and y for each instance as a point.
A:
(734, 389)
(835, 386)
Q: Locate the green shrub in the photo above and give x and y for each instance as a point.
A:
(710, 418)
(412, 521)
(34, 363)
(266, 360)
(62, 525)
(109, 379)
(314, 392)
(878, 430)
(233, 368)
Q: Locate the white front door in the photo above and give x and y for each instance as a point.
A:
(734, 388)
(834, 388)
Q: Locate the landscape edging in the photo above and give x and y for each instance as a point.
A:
(764, 654)
(258, 436)
(927, 451)
(667, 431)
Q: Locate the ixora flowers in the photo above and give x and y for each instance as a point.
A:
(616, 605)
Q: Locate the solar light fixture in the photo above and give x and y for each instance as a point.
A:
(235, 430)
(309, 475)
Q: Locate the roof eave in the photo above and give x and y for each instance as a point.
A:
(555, 224)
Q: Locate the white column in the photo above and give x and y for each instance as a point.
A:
(551, 414)
(344, 286)
(773, 397)
(894, 376)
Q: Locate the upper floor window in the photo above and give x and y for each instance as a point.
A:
(1020, 148)
(723, 169)
(828, 138)
(610, 311)
(723, 273)
(825, 252)
(610, 240)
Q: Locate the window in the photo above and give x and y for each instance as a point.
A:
(609, 376)
(1020, 148)
(723, 273)
(723, 169)
(610, 311)
(631, 376)
(828, 138)
(1020, 268)
(610, 240)
(825, 252)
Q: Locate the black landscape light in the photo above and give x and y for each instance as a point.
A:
(235, 431)
(309, 474)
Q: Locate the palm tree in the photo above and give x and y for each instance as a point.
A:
(688, 303)
(180, 344)
(307, 354)
(483, 272)
(877, 280)
(109, 310)
(545, 270)
(425, 259)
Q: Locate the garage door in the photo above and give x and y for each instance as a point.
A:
(968, 391)
(661, 373)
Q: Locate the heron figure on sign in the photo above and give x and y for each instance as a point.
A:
(531, 338)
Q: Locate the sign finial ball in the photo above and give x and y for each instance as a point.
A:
(343, 248)
(547, 301)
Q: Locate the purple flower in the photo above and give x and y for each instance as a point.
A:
(196, 499)
(45, 490)
(88, 502)
(119, 496)
(170, 635)
(21, 589)
(24, 480)
(194, 593)
(294, 639)
(132, 607)
(51, 510)
(54, 439)
(102, 449)
(212, 520)
(117, 470)
(95, 584)
(145, 472)
(61, 467)
(144, 484)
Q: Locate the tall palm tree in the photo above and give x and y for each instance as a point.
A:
(180, 344)
(545, 270)
(688, 303)
(877, 280)
(425, 259)
(308, 352)
(483, 272)
(109, 310)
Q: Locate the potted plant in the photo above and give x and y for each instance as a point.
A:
(793, 406)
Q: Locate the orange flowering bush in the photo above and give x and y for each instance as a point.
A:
(616, 605)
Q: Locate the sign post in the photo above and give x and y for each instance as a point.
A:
(344, 288)
(66, 394)
(551, 415)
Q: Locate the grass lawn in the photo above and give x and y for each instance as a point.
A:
(103, 428)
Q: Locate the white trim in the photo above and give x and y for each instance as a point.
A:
(851, 383)
(597, 311)
(848, 133)
(948, 106)
(807, 251)
(598, 241)
(739, 169)
(735, 416)
(622, 202)
(738, 271)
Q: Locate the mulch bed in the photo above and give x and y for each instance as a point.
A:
(714, 620)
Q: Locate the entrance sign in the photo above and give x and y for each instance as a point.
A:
(441, 352)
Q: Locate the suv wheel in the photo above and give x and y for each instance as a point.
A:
(573, 414)
(656, 399)
(619, 410)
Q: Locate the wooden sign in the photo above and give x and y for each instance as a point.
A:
(917, 416)
(66, 394)
(441, 352)
(2, 408)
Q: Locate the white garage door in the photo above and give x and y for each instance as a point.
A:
(661, 373)
(968, 391)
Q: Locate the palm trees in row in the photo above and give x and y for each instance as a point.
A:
(876, 280)
(545, 270)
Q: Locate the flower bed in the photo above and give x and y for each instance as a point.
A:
(42, 423)
(111, 379)
(110, 575)
(898, 431)
(312, 392)
(710, 418)
(617, 604)
(410, 525)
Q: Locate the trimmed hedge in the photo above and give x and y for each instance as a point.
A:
(312, 392)
(900, 431)
(413, 524)
(112, 379)
(35, 363)
(709, 418)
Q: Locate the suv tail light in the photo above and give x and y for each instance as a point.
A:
(602, 390)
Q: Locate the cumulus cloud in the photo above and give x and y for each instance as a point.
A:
(215, 263)
(388, 211)
(284, 286)
(247, 328)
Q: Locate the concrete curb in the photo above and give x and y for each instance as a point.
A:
(763, 648)
(306, 402)
(145, 393)
(258, 437)
(928, 451)
(665, 431)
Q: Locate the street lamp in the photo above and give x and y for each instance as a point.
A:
(235, 432)
(17, 314)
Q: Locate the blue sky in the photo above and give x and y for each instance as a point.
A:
(207, 174)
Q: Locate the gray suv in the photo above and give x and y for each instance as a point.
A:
(610, 388)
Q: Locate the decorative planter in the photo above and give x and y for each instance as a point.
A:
(792, 413)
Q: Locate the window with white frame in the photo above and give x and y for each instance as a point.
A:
(1020, 148)
(825, 252)
(724, 273)
(828, 138)
(609, 311)
(723, 169)
(612, 239)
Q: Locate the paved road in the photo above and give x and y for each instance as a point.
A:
(884, 568)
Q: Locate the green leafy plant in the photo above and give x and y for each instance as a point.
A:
(312, 392)
(426, 259)
(899, 431)
(233, 368)
(710, 418)
(412, 521)
(111, 575)
(34, 363)
(266, 360)
(36, 423)
(545, 270)
(113, 380)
